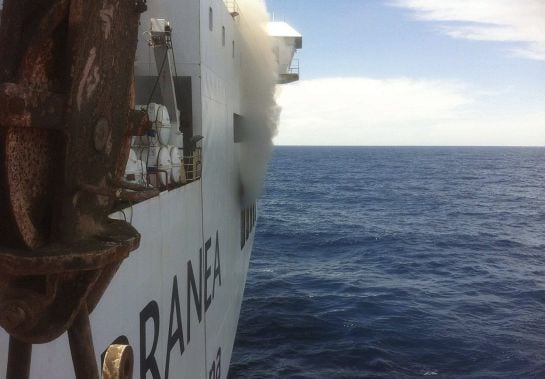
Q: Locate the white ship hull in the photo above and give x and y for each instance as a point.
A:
(192, 230)
(176, 299)
(141, 303)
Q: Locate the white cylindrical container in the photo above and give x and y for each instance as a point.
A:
(157, 159)
(164, 165)
(136, 141)
(149, 153)
(176, 137)
(143, 171)
(131, 170)
(178, 171)
(158, 115)
(152, 111)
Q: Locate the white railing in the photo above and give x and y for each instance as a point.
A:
(294, 67)
(193, 165)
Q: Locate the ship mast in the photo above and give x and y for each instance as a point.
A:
(66, 100)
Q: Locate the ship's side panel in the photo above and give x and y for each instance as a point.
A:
(151, 298)
(152, 292)
(221, 184)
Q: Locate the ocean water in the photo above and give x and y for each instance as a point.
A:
(397, 263)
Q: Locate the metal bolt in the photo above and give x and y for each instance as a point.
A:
(13, 316)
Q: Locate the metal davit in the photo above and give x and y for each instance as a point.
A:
(65, 125)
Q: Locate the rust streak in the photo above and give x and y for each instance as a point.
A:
(89, 80)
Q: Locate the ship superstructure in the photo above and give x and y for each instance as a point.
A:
(204, 76)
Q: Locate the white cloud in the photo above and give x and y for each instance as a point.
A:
(363, 111)
(518, 21)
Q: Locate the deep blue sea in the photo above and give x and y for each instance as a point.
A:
(397, 263)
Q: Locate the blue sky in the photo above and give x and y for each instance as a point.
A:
(463, 72)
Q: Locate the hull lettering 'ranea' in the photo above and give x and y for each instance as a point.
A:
(134, 138)
(196, 295)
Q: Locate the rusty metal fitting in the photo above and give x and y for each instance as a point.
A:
(134, 193)
(63, 122)
(118, 362)
(13, 316)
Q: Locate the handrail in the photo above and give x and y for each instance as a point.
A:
(193, 165)
(294, 67)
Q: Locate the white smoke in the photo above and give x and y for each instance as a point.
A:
(259, 108)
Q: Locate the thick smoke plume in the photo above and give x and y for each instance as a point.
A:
(259, 108)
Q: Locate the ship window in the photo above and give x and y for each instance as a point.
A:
(210, 19)
(238, 128)
(247, 223)
(247, 218)
(233, 49)
(242, 229)
(223, 35)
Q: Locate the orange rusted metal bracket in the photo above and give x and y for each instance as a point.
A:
(65, 124)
